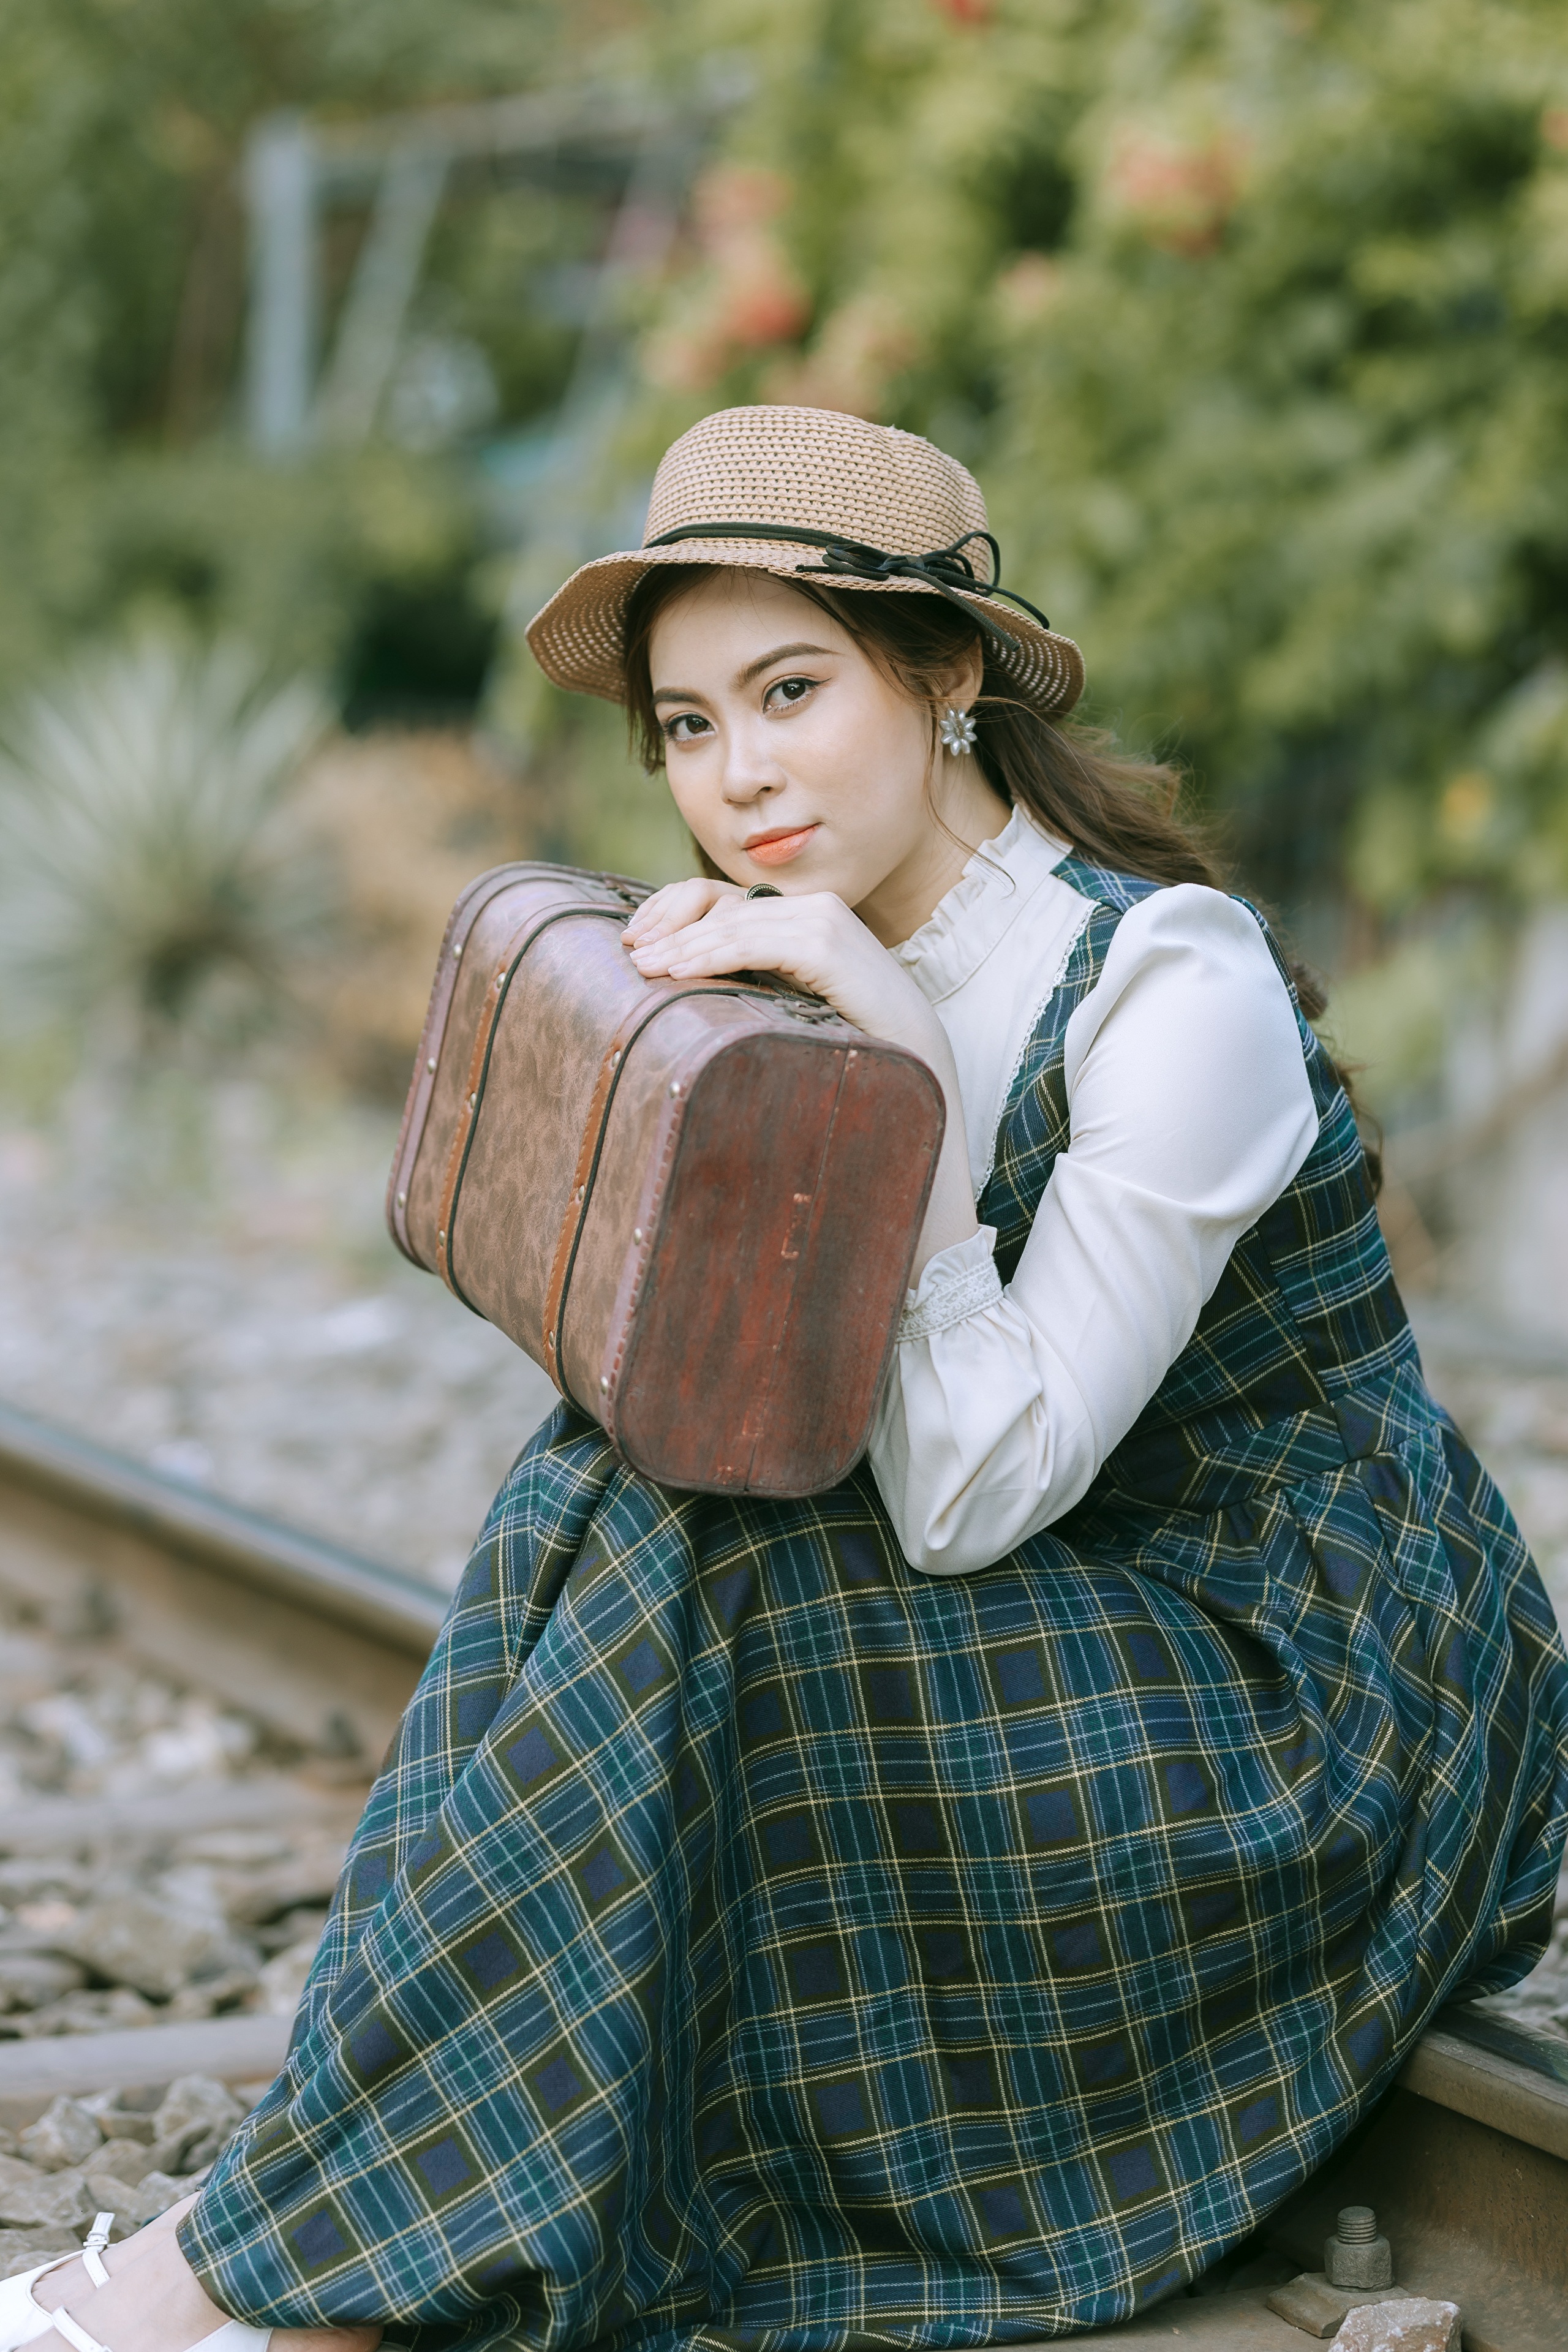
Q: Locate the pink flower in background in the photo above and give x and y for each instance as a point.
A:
(766, 304)
(1029, 288)
(682, 359)
(730, 199)
(746, 295)
(966, 12)
(864, 344)
(1179, 194)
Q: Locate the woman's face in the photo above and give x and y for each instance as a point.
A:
(796, 761)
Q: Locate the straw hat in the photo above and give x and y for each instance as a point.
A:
(809, 492)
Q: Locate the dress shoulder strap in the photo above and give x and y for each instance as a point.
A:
(1033, 1125)
(1102, 886)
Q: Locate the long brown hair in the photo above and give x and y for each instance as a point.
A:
(1118, 811)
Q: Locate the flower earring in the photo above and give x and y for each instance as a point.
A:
(957, 731)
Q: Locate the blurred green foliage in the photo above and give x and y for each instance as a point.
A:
(148, 873)
(1253, 319)
(125, 489)
(1251, 314)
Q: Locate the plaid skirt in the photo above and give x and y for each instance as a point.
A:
(751, 1942)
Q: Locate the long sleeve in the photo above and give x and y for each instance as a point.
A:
(1190, 1112)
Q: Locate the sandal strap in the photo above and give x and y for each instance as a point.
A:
(93, 2247)
(21, 2318)
(75, 2333)
(234, 2335)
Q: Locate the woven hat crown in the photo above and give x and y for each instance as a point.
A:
(819, 470)
(809, 493)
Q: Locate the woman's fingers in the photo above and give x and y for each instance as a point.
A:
(675, 907)
(812, 940)
(737, 934)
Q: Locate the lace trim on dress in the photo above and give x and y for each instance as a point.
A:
(1038, 1015)
(953, 1301)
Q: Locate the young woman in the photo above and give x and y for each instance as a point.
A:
(957, 1908)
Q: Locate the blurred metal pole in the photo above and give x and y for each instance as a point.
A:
(569, 509)
(386, 275)
(291, 171)
(280, 334)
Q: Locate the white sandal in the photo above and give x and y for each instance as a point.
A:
(22, 2319)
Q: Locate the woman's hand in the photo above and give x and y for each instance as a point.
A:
(696, 931)
(700, 929)
(676, 906)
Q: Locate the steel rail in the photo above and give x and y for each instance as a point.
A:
(316, 1642)
(288, 1562)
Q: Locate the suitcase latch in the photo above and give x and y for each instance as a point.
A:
(804, 1008)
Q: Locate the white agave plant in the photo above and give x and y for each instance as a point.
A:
(145, 866)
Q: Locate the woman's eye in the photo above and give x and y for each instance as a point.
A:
(787, 691)
(686, 726)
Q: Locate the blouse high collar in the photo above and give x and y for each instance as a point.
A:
(989, 896)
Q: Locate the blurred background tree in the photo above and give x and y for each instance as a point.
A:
(1250, 314)
(125, 489)
(1252, 318)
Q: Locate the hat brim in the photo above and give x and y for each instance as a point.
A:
(578, 639)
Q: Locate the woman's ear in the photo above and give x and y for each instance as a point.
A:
(965, 679)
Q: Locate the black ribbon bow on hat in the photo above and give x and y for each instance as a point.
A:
(946, 569)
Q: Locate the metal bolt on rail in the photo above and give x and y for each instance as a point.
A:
(1356, 2257)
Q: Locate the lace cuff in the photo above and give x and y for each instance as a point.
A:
(957, 1283)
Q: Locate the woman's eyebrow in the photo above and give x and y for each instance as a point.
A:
(779, 652)
(743, 676)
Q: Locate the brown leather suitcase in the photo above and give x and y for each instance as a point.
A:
(695, 1203)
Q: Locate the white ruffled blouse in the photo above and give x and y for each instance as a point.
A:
(1191, 1112)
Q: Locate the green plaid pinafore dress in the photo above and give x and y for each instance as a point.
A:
(751, 1942)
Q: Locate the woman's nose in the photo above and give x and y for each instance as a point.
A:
(750, 772)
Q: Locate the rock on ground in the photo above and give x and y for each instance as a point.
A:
(122, 2155)
(32, 1979)
(28, 2197)
(24, 2249)
(64, 2134)
(193, 2124)
(1416, 2326)
(153, 2194)
(145, 1927)
(152, 1946)
(246, 1324)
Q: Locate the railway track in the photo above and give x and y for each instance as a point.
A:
(307, 1653)
(316, 1650)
